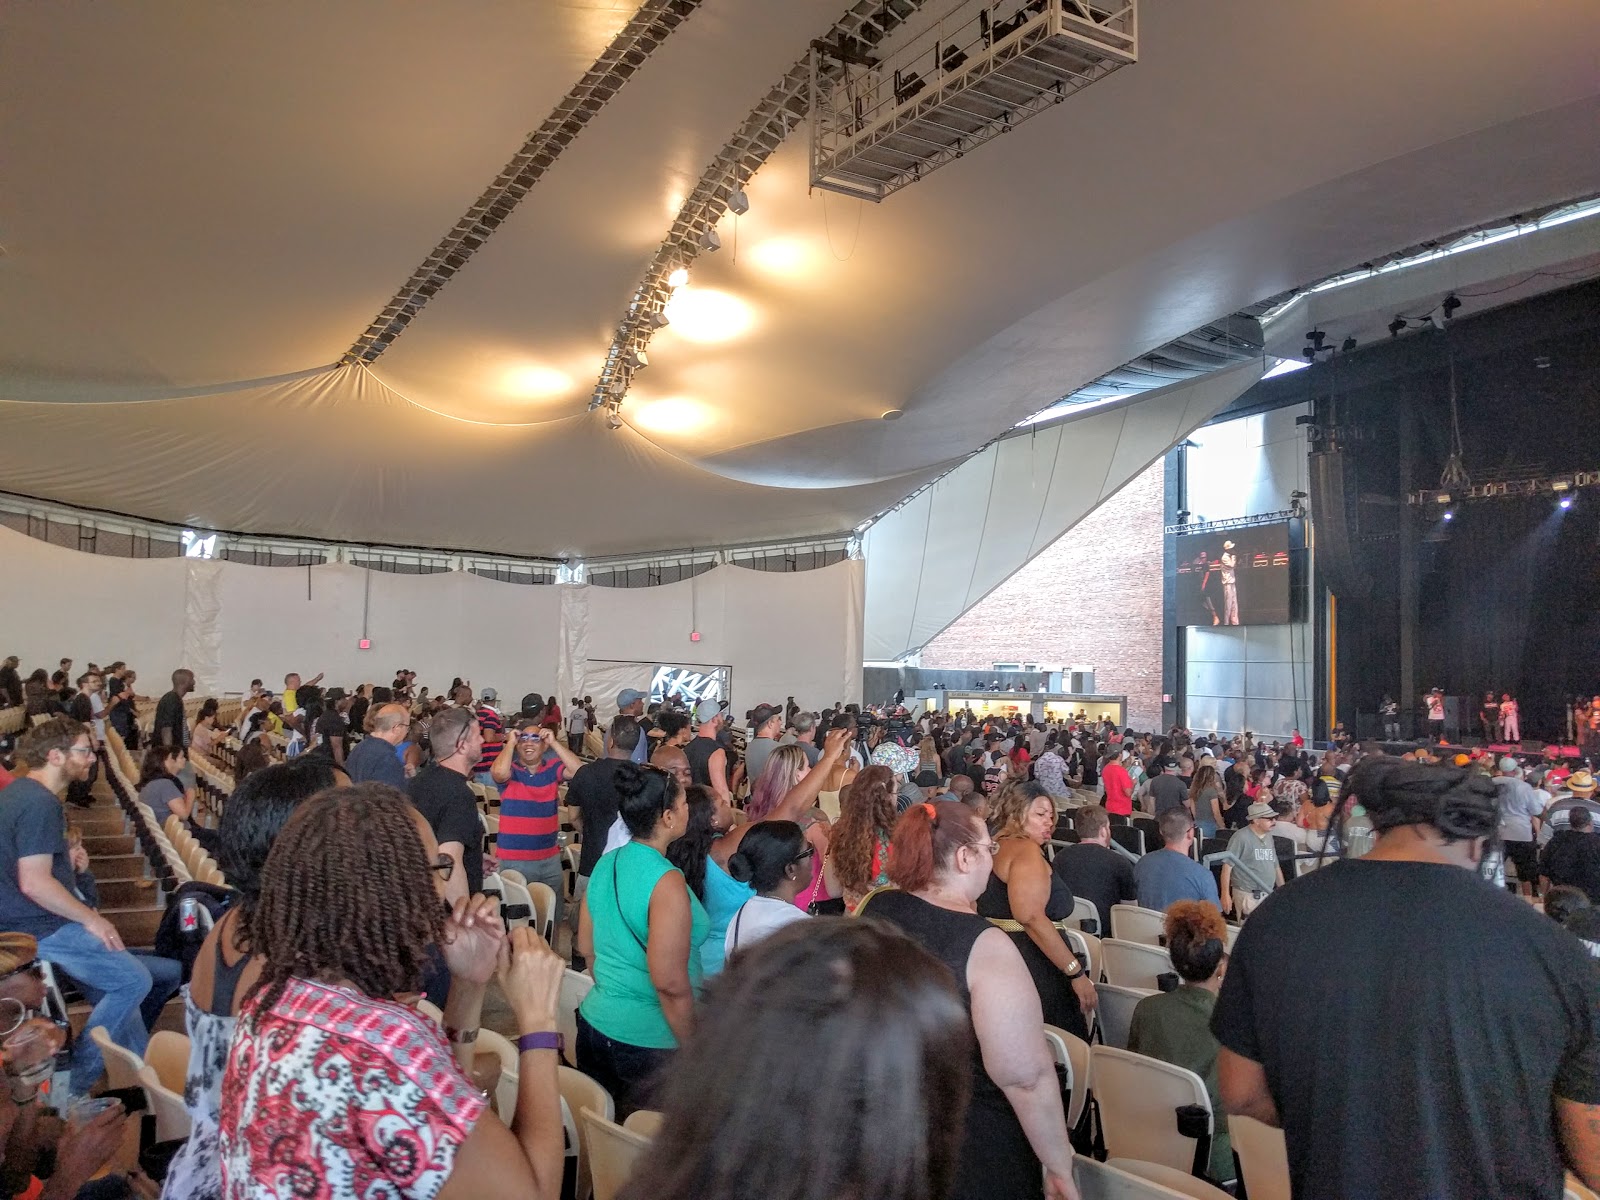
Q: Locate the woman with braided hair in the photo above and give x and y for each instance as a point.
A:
(332, 1088)
(1457, 1045)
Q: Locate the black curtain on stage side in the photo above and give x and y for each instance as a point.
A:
(1507, 603)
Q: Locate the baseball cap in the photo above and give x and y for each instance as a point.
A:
(490, 694)
(762, 713)
(1509, 764)
(707, 710)
(629, 696)
(335, 694)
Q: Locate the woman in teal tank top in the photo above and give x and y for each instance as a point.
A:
(643, 929)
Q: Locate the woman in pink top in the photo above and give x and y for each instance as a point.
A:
(1119, 786)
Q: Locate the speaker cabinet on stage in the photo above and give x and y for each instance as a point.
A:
(1454, 706)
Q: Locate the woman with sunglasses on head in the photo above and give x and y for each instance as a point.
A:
(775, 859)
(643, 930)
(334, 1089)
(941, 861)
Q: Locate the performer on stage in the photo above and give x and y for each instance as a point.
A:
(1230, 585)
(1435, 702)
(1594, 727)
(1390, 712)
(1490, 716)
(1510, 720)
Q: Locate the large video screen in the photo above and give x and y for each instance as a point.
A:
(1240, 577)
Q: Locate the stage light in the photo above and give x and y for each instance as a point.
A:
(1397, 326)
(1451, 303)
(1565, 502)
(739, 203)
(659, 319)
(893, 414)
(1348, 345)
(680, 415)
(709, 315)
(636, 358)
(678, 278)
(710, 241)
(532, 381)
(1561, 485)
(1449, 514)
(1443, 498)
(613, 420)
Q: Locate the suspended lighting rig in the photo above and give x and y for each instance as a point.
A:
(884, 117)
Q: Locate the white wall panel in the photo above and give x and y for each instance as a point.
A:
(950, 546)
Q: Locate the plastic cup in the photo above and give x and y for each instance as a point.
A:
(85, 1111)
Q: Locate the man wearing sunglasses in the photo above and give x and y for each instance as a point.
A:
(39, 895)
(529, 770)
(440, 793)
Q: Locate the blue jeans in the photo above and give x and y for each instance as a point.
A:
(121, 982)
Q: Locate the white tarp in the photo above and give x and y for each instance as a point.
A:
(950, 546)
(781, 633)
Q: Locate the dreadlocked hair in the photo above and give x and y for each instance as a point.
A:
(866, 811)
(1460, 804)
(346, 893)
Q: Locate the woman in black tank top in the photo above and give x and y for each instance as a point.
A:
(940, 861)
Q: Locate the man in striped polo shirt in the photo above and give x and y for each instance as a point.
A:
(529, 769)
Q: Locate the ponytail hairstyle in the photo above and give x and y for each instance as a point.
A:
(765, 852)
(1197, 939)
(1462, 805)
(926, 840)
(866, 811)
(644, 795)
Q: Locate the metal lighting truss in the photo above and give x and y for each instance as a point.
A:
(865, 25)
(880, 124)
(1271, 518)
(628, 51)
(1553, 485)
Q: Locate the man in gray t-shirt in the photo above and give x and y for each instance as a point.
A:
(766, 722)
(1253, 871)
(1521, 811)
(1168, 790)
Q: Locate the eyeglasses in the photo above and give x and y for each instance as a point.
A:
(35, 966)
(80, 749)
(807, 853)
(992, 847)
(445, 865)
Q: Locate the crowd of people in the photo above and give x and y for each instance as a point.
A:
(824, 945)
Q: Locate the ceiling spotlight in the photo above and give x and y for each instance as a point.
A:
(1449, 514)
(613, 420)
(739, 203)
(1442, 498)
(1348, 345)
(1183, 516)
(893, 414)
(1561, 485)
(636, 358)
(1397, 326)
(658, 319)
(678, 278)
(1298, 496)
(710, 240)
(1565, 502)
(1451, 303)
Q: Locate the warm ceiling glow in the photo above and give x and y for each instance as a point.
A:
(708, 315)
(674, 414)
(533, 382)
(781, 255)
(678, 278)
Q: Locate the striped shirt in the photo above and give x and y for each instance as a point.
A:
(494, 737)
(530, 812)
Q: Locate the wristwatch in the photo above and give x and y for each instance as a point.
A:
(540, 1041)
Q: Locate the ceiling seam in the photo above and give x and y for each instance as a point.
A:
(649, 26)
(866, 23)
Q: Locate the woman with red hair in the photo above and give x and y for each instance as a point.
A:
(940, 863)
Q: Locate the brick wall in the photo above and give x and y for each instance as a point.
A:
(1091, 597)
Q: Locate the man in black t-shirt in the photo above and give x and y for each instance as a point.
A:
(171, 727)
(1092, 869)
(441, 794)
(1573, 856)
(333, 726)
(592, 790)
(1413, 1029)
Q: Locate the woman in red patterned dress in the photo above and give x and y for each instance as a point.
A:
(333, 1089)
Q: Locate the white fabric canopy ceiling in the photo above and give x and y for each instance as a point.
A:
(201, 209)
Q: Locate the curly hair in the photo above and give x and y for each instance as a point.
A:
(1008, 810)
(346, 893)
(1197, 938)
(866, 812)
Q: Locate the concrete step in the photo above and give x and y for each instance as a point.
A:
(98, 822)
(128, 893)
(104, 845)
(119, 866)
(136, 925)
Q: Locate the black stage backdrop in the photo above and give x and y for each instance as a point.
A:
(1508, 591)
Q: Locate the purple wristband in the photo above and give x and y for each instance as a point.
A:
(540, 1041)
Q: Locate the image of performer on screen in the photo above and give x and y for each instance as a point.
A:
(1208, 594)
(1228, 564)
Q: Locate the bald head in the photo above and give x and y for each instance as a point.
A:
(391, 722)
(672, 759)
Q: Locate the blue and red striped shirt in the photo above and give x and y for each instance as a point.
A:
(530, 812)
